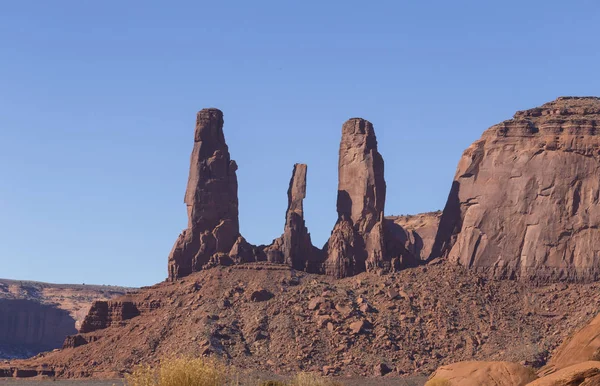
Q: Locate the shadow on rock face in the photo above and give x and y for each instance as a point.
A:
(28, 328)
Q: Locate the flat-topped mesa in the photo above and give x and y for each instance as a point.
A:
(356, 243)
(211, 199)
(525, 198)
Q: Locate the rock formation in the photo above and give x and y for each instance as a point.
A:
(294, 248)
(525, 199)
(28, 327)
(211, 199)
(476, 373)
(581, 374)
(37, 317)
(357, 241)
(409, 239)
(104, 314)
(580, 347)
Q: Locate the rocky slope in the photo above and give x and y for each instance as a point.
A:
(400, 294)
(36, 317)
(268, 317)
(525, 199)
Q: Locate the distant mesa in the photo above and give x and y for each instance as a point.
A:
(523, 204)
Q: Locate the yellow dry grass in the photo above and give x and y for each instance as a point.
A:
(183, 372)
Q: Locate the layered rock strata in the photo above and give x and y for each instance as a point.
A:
(525, 198)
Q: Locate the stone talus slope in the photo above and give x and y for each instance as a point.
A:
(411, 322)
(525, 199)
(211, 199)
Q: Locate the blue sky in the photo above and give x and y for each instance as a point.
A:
(98, 102)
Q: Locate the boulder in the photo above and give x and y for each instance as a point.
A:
(482, 373)
(524, 202)
(582, 346)
(261, 295)
(581, 374)
(211, 199)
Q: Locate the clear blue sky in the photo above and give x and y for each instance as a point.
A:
(98, 102)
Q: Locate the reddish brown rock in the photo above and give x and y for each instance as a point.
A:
(298, 251)
(580, 347)
(475, 373)
(211, 199)
(581, 374)
(294, 248)
(357, 241)
(104, 314)
(410, 238)
(525, 199)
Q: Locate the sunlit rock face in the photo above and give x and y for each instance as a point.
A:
(525, 198)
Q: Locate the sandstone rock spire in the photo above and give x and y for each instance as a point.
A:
(294, 247)
(211, 199)
(525, 198)
(356, 243)
(297, 246)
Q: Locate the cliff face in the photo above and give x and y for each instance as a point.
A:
(525, 199)
(36, 317)
(28, 327)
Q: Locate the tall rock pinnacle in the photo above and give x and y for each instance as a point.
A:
(525, 198)
(294, 248)
(211, 199)
(298, 251)
(356, 243)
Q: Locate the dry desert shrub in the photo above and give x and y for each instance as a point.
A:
(183, 372)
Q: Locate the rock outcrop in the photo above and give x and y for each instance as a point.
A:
(104, 314)
(294, 248)
(357, 241)
(37, 317)
(476, 373)
(525, 199)
(211, 199)
(409, 239)
(581, 347)
(581, 374)
(28, 327)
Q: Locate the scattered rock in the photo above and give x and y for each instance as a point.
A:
(261, 295)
